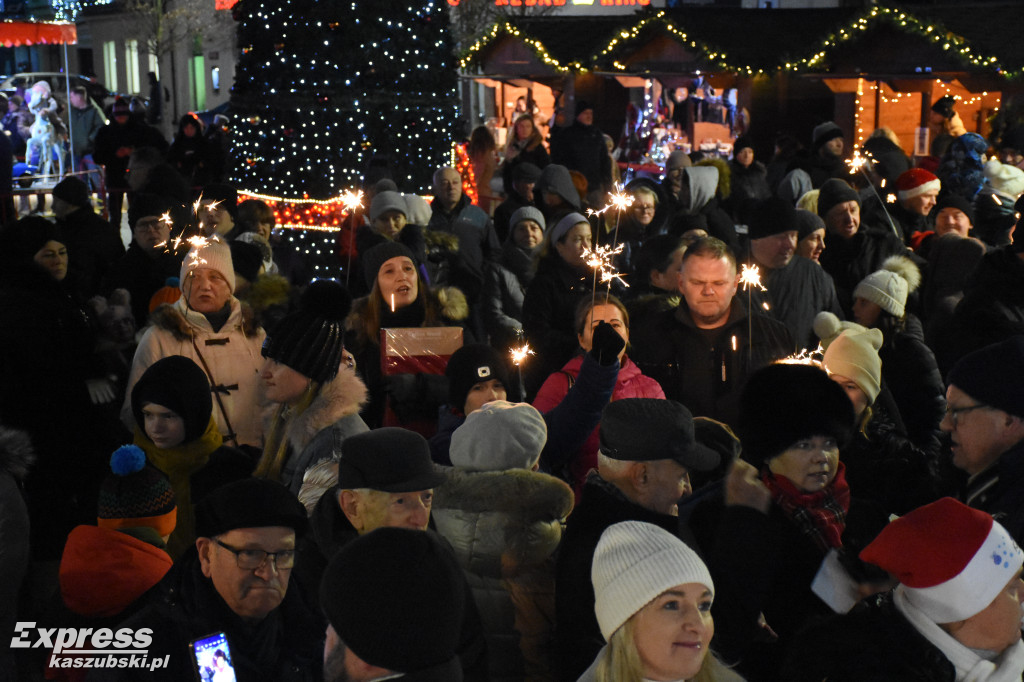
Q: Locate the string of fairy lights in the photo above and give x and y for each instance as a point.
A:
(717, 58)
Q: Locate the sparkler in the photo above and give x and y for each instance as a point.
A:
(600, 259)
(353, 202)
(519, 353)
(750, 277)
(805, 357)
(618, 200)
(857, 163)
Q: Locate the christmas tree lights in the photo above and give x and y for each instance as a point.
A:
(322, 89)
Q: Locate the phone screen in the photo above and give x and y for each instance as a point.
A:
(212, 658)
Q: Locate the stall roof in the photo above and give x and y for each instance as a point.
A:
(751, 41)
(22, 33)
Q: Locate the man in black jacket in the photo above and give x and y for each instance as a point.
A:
(581, 147)
(702, 351)
(647, 452)
(235, 581)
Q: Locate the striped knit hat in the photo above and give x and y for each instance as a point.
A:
(136, 494)
(635, 562)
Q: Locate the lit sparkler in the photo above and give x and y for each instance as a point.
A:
(519, 353)
(857, 164)
(750, 276)
(196, 204)
(805, 357)
(352, 200)
(600, 260)
(619, 199)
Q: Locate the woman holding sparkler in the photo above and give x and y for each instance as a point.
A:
(399, 297)
(549, 306)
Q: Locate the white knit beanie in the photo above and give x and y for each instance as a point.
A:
(215, 255)
(889, 287)
(635, 562)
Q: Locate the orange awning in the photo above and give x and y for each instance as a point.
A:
(20, 33)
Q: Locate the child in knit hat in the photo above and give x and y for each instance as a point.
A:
(881, 463)
(106, 567)
(908, 364)
(178, 433)
(653, 603)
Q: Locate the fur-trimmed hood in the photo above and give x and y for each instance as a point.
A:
(180, 322)
(16, 453)
(342, 396)
(530, 507)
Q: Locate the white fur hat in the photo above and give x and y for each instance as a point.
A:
(634, 562)
(1005, 178)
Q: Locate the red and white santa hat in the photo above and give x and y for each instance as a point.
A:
(916, 181)
(951, 560)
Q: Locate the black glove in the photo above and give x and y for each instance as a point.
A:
(401, 387)
(606, 344)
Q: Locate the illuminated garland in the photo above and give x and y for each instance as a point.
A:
(465, 168)
(934, 32)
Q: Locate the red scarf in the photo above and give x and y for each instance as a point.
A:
(821, 516)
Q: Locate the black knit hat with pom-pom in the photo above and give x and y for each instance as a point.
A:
(311, 339)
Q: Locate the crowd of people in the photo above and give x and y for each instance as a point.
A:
(684, 474)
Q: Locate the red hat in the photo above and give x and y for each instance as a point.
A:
(951, 560)
(916, 181)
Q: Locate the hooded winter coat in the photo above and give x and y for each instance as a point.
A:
(504, 527)
(231, 354)
(318, 432)
(702, 186)
(630, 383)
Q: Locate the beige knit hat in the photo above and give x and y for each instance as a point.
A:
(889, 287)
(851, 350)
(635, 562)
(214, 255)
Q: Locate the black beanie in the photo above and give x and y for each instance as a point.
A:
(177, 383)
(225, 194)
(142, 205)
(380, 254)
(21, 240)
(249, 503)
(833, 192)
(958, 202)
(73, 191)
(944, 106)
(742, 142)
(311, 340)
(769, 217)
(470, 365)
(396, 598)
(782, 404)
(246, 259)
(983, 375)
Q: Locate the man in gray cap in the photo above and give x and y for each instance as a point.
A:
(385, 480)
(985, 422)
(235, 581)
(646, 454)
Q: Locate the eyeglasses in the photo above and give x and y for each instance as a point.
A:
(152, 225)
(252, 559)
(640, 208)
(954, 412)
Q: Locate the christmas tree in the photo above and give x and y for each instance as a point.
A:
(326, 89)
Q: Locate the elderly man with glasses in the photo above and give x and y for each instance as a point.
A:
(235, 581)
(985, 420)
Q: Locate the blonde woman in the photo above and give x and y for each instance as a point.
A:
(653, 603)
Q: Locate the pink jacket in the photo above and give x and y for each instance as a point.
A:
(631, 383)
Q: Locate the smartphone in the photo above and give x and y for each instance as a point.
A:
(211, 658)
